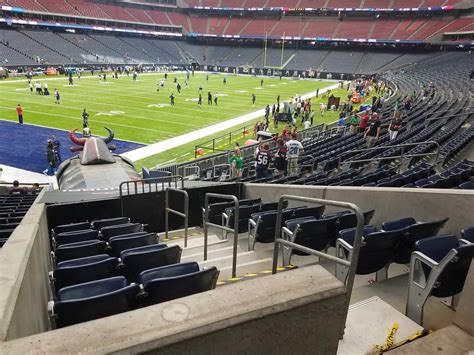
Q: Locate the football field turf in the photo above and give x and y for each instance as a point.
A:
(137, 112)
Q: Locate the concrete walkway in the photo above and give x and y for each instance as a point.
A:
(153, 149)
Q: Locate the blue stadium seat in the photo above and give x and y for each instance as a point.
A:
(262, 226)
(468, 234)
(414, 233)
(148, 257)
(100, 223)
(71, 227)
(120, 229)
(79, 250)
(398, 224)
(376, 253)
(311, 233)
(315, 212)
(468, 185)
(82, 270)
(175, 281)
(123, 242)
(75, 236)
(438, 267)
(216, 209)
(244, 214)
(93, 300)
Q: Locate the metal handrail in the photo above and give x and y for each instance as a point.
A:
(150, 182)
(184, 214)
(351, 264)
(218, 166)
(196, 168)
(401, 156)
(235, 231)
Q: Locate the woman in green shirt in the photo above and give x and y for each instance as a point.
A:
(354, 122)
(236, 162)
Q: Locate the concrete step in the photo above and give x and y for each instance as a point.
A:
(260, 265)
(215, 251)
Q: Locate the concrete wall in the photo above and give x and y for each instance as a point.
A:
(286, 313)
(24, 266)
(389, 203)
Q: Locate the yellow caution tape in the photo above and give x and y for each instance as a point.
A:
(390, 344)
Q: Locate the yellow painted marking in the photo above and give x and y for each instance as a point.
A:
(250, 275)
(176, 237)
(266, 272)
(220, 283)
(235, 279)
(281, 268)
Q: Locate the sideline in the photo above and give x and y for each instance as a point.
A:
(153, 149)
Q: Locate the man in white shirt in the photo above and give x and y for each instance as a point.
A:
(294, 149)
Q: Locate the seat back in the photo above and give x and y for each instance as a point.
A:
(315, 212)
(124, 242)
(120, 229)
(266, 228)
(377, 251)
(452, 277)
(414, 233)
(82, 270)
(169, 288)
(75, 236)
(79, 250)
(314, 234)
(468, 234)
(71, 227)
(398, 224)
(93, 300)
(149, 257)
(100, 223)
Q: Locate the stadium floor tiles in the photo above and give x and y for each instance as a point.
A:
(24, 146)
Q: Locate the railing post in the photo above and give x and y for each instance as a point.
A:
(204, 223)
(166, 213)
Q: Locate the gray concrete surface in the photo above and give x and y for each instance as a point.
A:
(389, 203)
(24, 266)
(282, 314)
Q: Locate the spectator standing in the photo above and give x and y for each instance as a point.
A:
(57, 96)
(323, 108)
(294, 149)
(340, 122)
(395, 125)
(372, 132)
(262, 160)
(19, 112)
(52, 159)
(364, 119)
(354, 122)
(281, 162)
(236, 163)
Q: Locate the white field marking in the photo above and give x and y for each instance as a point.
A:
(105, 83)
(159, 105)
(95, 121)
(221, 95)
(272, 85)
(197, 119)
(174, 142)
(110, 113)
(259, 88)
(194, 99)
(241, 91)
(22, 89)
(71, 86)
(184, 155)
(263, 97)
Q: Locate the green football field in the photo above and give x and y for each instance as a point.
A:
(137, 112)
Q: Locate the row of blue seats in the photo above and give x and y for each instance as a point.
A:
(12, 210)
(109, 296)
(319, 228)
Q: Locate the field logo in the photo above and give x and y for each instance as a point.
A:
(110, 113)
(159, 105)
